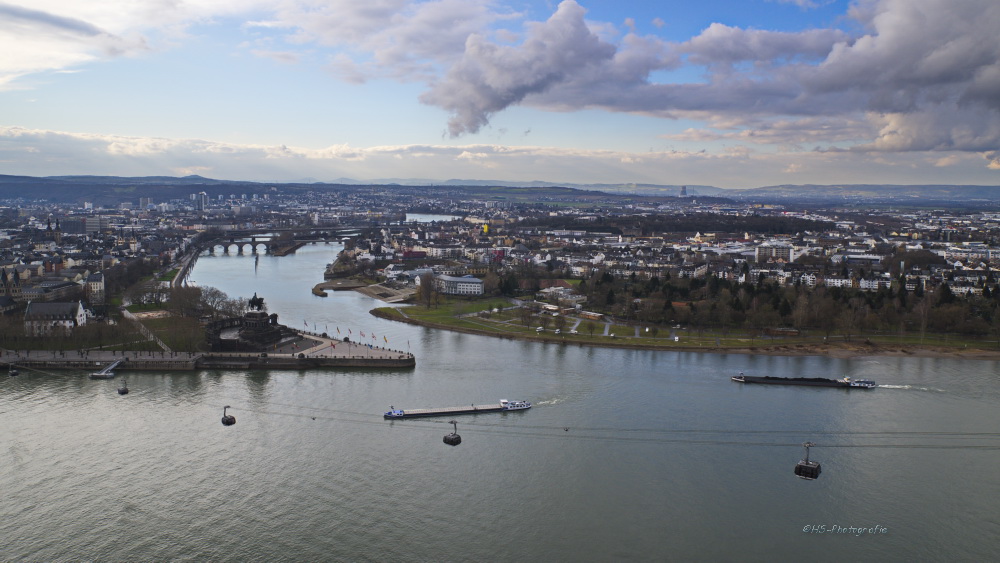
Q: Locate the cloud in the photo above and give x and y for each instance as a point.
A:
(285, 57)
(805, 4)
(401, 39)
(491, 77)
(897, 76)
(44, 152)
(943, 128)
(26, 17)
(921, 75)
(994, 158)
(792, 133)
(721, 44)
(33, 40)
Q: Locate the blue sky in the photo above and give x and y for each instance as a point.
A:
(731, 93)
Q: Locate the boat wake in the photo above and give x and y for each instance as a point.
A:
(911, 388)
(549, 402)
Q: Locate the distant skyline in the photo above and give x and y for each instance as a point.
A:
(729, 93)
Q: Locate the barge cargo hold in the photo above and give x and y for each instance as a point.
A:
(503, 406)
(846, 382)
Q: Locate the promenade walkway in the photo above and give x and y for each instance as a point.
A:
(317, 346)
(311, 350)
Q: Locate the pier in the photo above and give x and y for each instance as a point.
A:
(108, 372)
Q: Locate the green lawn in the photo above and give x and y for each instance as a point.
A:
(178, 333)
(460, 315)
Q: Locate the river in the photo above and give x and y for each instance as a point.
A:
(627, 455)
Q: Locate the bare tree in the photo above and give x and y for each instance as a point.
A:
(426, 291)
(525, 316)
(184, 301)
(212, 299)
(491, 283)
(922, 311)
(236, 307)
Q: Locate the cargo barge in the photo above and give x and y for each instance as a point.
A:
(503, 406)
(845, 382)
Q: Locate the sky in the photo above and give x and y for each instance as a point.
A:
(727, 93)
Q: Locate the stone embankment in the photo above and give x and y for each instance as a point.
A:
(313, 351)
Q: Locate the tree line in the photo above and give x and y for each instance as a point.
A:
(723, 305)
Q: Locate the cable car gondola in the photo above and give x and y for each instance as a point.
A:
(453, 439)
(806, 469)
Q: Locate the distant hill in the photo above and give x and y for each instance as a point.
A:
(920, 195)
(110, 190)
(629, 188)
(142, 180)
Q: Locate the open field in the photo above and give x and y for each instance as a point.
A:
(499, 318)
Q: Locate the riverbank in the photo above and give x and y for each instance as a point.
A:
(308, 351)
(773, 347)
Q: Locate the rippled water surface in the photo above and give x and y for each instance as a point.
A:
(627, 455)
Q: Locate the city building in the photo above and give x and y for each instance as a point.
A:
(43, 319)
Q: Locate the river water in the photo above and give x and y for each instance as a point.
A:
(627, 455)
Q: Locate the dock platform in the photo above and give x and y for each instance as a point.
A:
(108, 372)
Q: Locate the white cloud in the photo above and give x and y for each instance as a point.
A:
(912, 76)
(50, 35)
(805, 4)
(403, 39)
(994, 160)
(491, 77)
(44, 153)
(286, 57)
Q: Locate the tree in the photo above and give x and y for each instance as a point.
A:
(525, 316)
(560, 322)
(425, 291)
(491, 283)
(184, 300)
(800, 315)
(945, 296)
(235, 307)
(922, 312)
(213, 299)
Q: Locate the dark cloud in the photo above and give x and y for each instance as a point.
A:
(925, 73)
(491, 77)
(26, 16)
(724, 45)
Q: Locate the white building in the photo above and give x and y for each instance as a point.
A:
(42, 319)
(466, 285)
